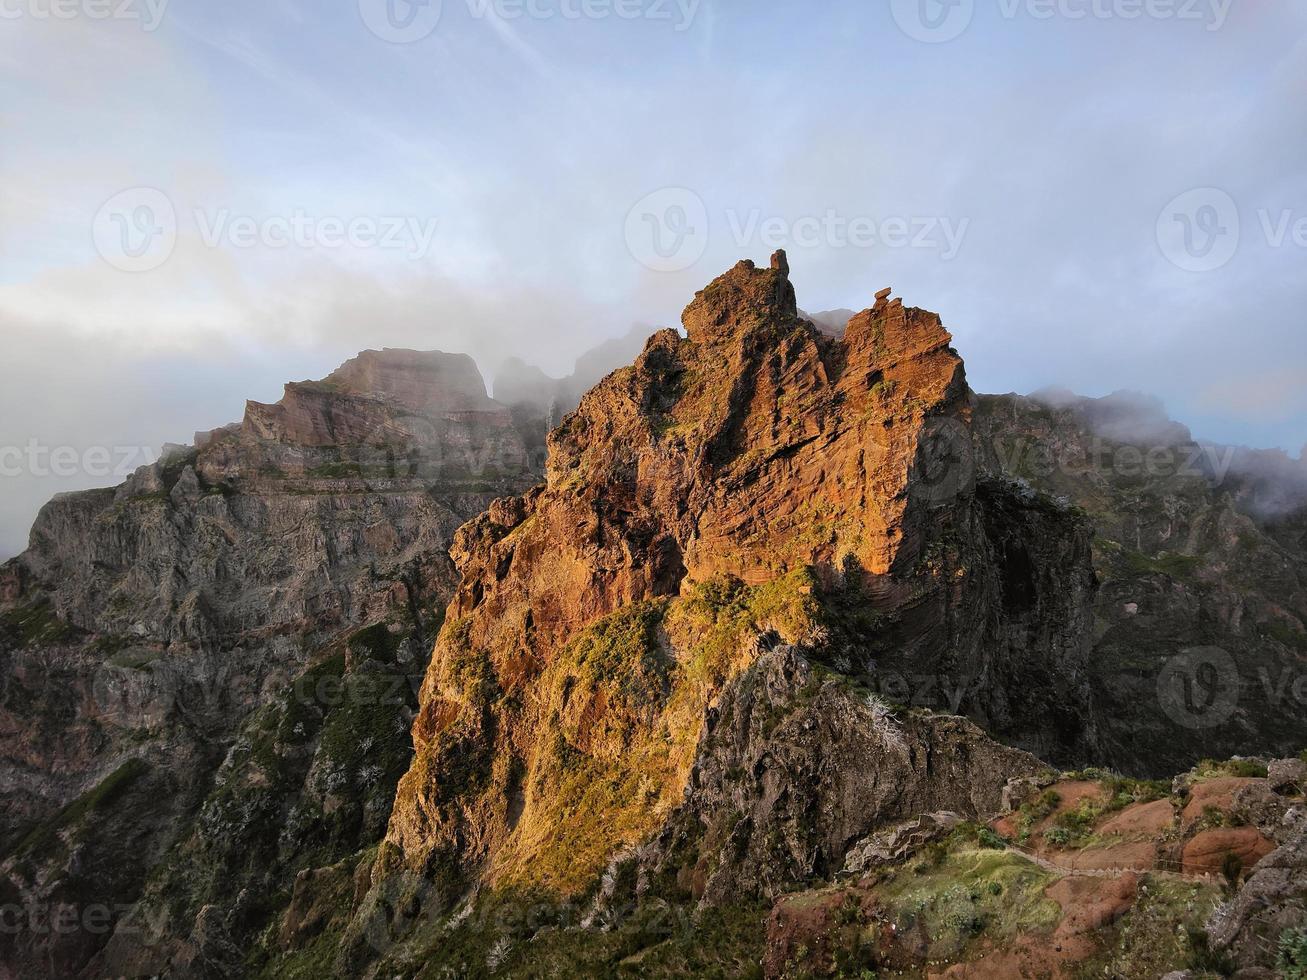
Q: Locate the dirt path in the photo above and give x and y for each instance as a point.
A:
(1062, 869)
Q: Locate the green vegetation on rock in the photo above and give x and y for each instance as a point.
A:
(40, 838)
(527, 934)
(1291, 959)
(35, 624)
(955, 899)
(1161, 933)
(719, 614)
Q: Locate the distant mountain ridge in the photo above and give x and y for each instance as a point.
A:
(146, 623)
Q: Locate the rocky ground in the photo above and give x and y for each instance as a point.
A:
(1089, 875)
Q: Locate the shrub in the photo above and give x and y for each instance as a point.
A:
(1203, 959)
(1058, 836)
(1246, 768)
(1080, 819)
(1213, 817)
(1032, 811)
(1232, 868)
(849, 912)
(1292, 960)
(716, 616)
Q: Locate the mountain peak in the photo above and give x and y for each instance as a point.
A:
(741, 300)
(369, 396)
(418, 380)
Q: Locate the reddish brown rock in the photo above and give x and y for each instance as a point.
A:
(1089, 906)
(1207, 852)
(1148, 819)
(401, 399)
(804, 931)
(752, 448)
(1217, 795)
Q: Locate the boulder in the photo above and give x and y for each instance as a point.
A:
(1288, 776)
(1207, 852)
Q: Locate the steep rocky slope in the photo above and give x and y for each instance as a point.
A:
(1200, 624)
(671, 655)
(145, 623)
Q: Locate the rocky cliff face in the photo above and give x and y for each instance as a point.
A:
(751, 484)
(1200, 625)
(793, 769)
(145, 623)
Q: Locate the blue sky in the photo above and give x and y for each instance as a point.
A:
(1020, 178)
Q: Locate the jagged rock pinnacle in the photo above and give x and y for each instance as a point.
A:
(740, 300)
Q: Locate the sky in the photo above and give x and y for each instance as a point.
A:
(200, 201)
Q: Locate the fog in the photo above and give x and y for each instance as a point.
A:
(1029, 162)
(1267, 483)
